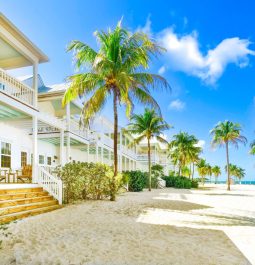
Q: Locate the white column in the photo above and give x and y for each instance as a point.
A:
(109, 157)
(61, 147)
(125, 163)
(35, 151)
(35, 83)
(68, 133)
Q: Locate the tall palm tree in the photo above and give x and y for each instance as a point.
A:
(146, 126)
(224, 134)
(183, 149)
(115, 71)
(209, 171)
(202, 169)
(216, 172)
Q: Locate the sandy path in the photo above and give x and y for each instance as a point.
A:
(140, 228)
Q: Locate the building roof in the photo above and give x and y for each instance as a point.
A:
(13, 30)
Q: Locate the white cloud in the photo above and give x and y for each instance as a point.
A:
(162, 70)
(146, 28)
(177, 105)
(201, 143)
(184, 53)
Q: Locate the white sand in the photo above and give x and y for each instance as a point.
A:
(160, 228)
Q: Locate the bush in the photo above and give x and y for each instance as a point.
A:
(180, 182)
(156, 173)
(137, 180)
(88, 181)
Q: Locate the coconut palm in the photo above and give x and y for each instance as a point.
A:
(216, 172)
(209, 171)
(202, 169)
(146, 126)
(236, 171)
(252, 146)
(183, 149)
(114, 71)
(224, 134)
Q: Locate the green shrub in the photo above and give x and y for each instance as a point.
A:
(180, 182)
(156, 173)
(137, 180)
(88, 181)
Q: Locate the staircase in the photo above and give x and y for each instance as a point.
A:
(23, 202)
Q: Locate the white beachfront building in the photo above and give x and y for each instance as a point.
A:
(37, 130)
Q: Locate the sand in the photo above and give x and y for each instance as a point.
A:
(169, 226)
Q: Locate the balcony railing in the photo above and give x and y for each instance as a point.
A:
(16, 89)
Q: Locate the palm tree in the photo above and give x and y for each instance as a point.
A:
(116, 71)
(216, 172)
(145, 126)
(225, 133)
(252, 146)
(236, 171)
(202, 169)
(209, 171)
(183, 149)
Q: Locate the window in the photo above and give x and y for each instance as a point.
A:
(5, 155)
(41, 159)
(23, 159)
(49, 161)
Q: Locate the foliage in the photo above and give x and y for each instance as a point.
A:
(137, 180)
(180, 182)
(225, 133)
(88, 181)
(216, 171)
(183, 150)
(236, 171)
(157, 172)
(147, 125)
(117, 71)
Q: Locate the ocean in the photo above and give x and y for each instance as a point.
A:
(242, 182)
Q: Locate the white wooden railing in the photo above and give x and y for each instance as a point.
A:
(51, 183)
(13, 87)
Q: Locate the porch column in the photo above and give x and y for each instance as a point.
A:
(35, 151)
(125, 163)
(109, 157)
(68, 133)
(35, 83)
(61, 148)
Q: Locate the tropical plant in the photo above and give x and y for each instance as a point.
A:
(252, 146)
(137, 180)
(216, 171)
(236, 171)
(224, 134)
(183, 150)
(115, 71)
(202, 169)
(209, 171)
(146, 126)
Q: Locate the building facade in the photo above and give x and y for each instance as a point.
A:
(36, 129)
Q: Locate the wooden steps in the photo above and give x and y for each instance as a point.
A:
(23, 202)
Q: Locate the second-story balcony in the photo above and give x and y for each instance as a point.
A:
(14, 88)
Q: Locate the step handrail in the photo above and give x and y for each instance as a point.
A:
(51, 183)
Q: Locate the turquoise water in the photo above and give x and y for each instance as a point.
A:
(243, 182)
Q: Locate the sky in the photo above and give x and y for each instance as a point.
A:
(209, 60)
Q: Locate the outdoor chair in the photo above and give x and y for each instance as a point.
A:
(3, 175)
(25, 174)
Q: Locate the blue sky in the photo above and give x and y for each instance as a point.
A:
(209, 61)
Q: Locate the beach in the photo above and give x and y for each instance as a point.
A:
(165, 226)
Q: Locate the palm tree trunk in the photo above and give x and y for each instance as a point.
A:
(149, 162)
(115, 146)
(228, 166)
